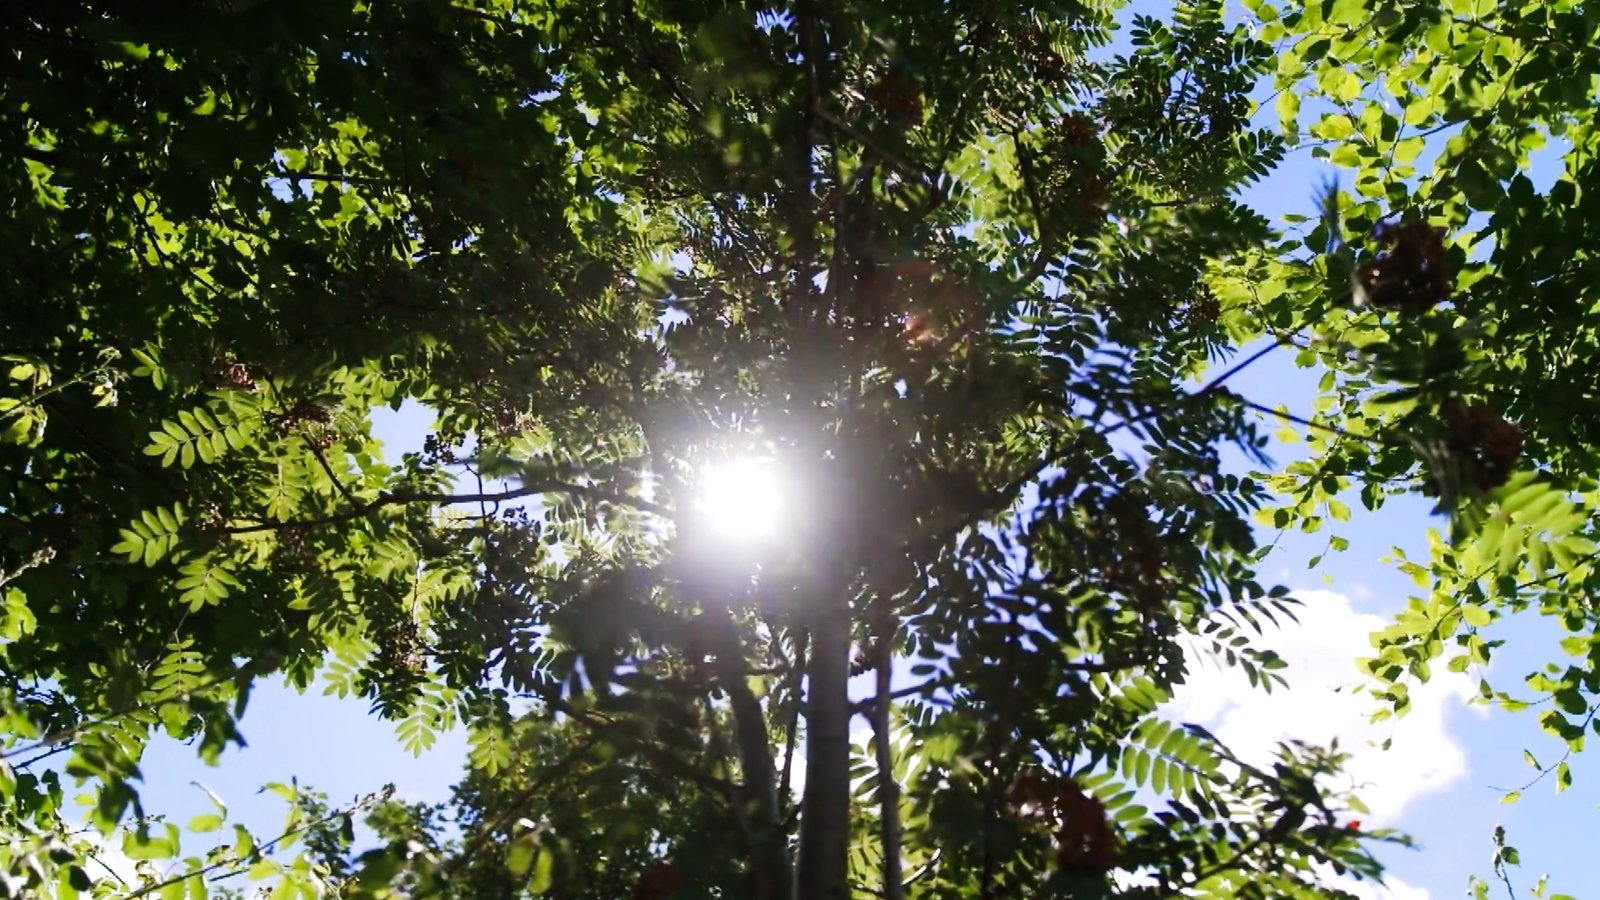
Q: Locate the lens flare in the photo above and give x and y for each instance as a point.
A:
(742, 499)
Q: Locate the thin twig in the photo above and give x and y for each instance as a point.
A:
(327, 467)
(1207, 389)
(400, 498)
(797, 675)
(259, 851)
(63, 735)
(888, 788)
(1096, 667)
(39, 557)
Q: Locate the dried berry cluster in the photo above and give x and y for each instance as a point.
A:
(1411, 273)
(897, 97)
(400, 648)
(1076, 131)
(312, 419)
(301, 412)
(1085, 843)
(1138, 567)
(1202, 309)
(1072, 163)
(865, 658)
(1046, 63)
(210, 517)
(660, 881)
(507, 418)
(1486, 440)
(227, 373)
(237, 375)
(918, 303)
(292, 553)
(440, 449)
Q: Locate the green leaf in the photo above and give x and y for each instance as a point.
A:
(521, 853)
(543, 873)
(141, 845)
(1333, 127)
(1287, 107)
(1347, 12)
(205, 822)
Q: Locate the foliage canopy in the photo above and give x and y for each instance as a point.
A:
(956, 271)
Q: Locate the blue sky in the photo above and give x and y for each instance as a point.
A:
(1439, 781)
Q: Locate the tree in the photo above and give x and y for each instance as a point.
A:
(1467, 135)
(949, 271)
(1479, 309)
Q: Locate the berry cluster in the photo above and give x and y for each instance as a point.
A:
(658, 882)
(312, 418)
(897, 96)
(1411, 273)
(400, 648)
(227, 373)
(1202, 309)
(1085, 843)
(1072, 163)
(237, 375)
(1076, 131)
(865, 659)
(1137, 569)
(507, 418)
(292, 553)
(301, 412)
(1489, 443)
(210, 517)
(440, 449)
(1042, 58)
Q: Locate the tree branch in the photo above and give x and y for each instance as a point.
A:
(770, 850)
(888, 788)
(322, 459)
(39, 557)
(796, 676)
(1091, 667)
(234, 861)
(1208, 388)
(401, 498)
(894, 160)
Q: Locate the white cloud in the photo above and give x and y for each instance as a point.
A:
(1320, 704)
(1391, 889)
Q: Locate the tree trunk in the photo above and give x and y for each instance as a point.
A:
(888, 788)
(825, 807)
(770, 849)
(770, 872)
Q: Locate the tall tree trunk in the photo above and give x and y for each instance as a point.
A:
(825, 808)
(774, 879)
(796, 685)
(771, 875)
(888, 788)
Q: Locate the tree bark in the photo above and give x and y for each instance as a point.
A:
(825, 807)
(771, 875)
(888, 788)
(796, 684)
(770, 849)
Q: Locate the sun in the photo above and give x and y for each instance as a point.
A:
(742, 498)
